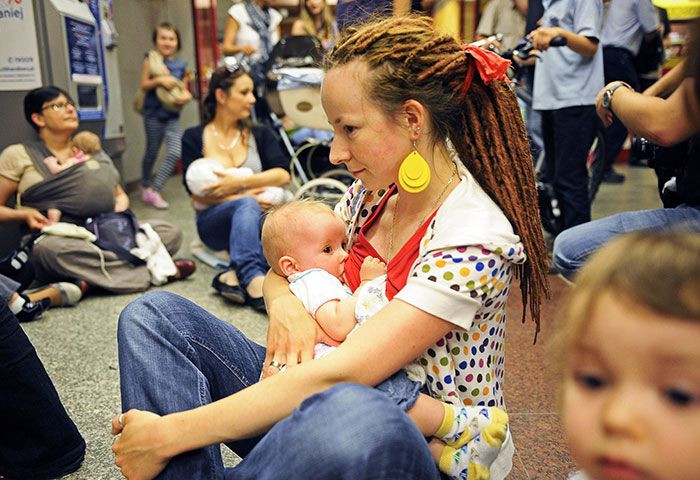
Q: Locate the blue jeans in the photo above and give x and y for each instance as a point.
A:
(572, 247)
(235, 226)
(174, 356)
(156, 131)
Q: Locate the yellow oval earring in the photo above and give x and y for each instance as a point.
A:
(414, 172)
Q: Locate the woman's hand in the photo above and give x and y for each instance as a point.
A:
(256, 193)
(227, 185)
(167, 81)
(291, 334)
(34, 218)
(137, 450)
(248, 50)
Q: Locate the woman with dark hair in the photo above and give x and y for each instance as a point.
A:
(30, 193)
(445, 196)
(229, 215)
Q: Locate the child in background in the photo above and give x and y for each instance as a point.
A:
(163, 78)
(305, 241)
(628, 359)
(85, 144)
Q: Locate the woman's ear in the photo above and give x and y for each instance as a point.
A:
(220, 95)
(38, 120)
(413, 116)
(288, 265)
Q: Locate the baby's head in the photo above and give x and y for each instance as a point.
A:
(628, 357)
(87, 142)
(304, 234)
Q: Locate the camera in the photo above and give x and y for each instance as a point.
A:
(643, 152)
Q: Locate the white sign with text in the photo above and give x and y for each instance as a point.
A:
(19, 55)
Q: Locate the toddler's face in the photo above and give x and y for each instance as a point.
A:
(324, 246)
(632, 395)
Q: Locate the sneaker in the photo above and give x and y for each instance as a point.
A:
(153, 198)
(33, 310)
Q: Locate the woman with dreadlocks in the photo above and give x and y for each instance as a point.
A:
(445, 196)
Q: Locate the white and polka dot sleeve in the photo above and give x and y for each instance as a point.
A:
(454, 283)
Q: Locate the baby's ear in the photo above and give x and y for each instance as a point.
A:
(288, 265)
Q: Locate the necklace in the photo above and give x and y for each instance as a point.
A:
(396, 207)
(231, 145)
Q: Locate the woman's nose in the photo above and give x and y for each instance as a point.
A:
(339, 152)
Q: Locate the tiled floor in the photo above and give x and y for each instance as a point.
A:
(541, 451)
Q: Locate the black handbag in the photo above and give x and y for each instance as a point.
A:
(17, 264)
(116, 232)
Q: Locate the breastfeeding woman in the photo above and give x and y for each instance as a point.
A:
(445, 195)
(229, 214)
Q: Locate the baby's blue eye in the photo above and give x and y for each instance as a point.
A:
(327, 250)
(349, 129)
(591, 382)
(679, 397)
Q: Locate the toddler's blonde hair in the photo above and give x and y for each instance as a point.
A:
(657, 271)
(287, 223)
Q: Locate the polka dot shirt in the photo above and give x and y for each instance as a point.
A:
(463, 275)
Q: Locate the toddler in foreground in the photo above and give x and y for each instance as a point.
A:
(628, 357)
(304, 241)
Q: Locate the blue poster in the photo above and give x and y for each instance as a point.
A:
(82, 49)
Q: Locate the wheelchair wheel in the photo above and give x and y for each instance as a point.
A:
(327, 190)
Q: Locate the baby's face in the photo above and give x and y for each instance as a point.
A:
(324, 245)
(632, 395)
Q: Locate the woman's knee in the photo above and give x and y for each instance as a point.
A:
(355, 424)
(142, 314)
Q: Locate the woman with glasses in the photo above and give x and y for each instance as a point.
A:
(229, 215)
(445, 195)
(32, 195)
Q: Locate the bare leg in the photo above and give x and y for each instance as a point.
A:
(49, 292)
(255, 287)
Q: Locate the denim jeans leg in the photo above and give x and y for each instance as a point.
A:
(574, 246)
(175, 356)
(8, 287)
(348, 432)
(235, 226)
(246, 246)
(38, 439)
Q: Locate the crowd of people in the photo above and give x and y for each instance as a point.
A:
(398, 292)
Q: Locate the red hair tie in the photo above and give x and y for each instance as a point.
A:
(490, 66)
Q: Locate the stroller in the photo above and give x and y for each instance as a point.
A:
(293, 90)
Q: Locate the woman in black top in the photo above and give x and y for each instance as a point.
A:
(229, 213)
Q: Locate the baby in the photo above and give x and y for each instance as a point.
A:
(85, 144)
(201, 173)
(628, 359)
(304, 241)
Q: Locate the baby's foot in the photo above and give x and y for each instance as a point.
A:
(473, 438)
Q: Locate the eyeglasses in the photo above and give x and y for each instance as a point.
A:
(58, 106)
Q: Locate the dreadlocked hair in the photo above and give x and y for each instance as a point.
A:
(408, 59)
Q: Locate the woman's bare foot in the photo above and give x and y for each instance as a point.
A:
(230, 278)
(49, 292)
(255, 287)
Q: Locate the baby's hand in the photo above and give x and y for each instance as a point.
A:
(371, 268)
(54, 215)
